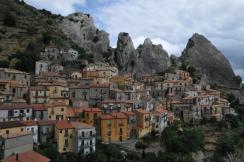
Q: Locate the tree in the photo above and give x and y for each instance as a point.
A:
(48, 150)
(188, 140)
(46, 38)
(4, 64)
(226, 144)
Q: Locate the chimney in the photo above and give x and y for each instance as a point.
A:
(17, 157)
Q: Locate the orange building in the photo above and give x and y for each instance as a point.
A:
(89, 116)
(143, 122)
(114, 127)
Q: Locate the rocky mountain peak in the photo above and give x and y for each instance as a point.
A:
(147, 41)
(80, 28)
(205, 57)
(124, 40)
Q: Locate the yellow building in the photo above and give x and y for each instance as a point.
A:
(121, 80)
(114, 127)
(75, 137)
(143, 122)
(57, 111)
(64, 136)
(11, 127)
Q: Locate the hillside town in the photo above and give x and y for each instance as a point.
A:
(73, 109)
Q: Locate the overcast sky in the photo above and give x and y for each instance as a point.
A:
(168, 22)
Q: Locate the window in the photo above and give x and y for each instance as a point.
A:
(62, 109)
(60, 131)
(28, 110)
(22, 129)
(121, 130)
(73, 94)
(82, 134)
(90, 133)
(7, 131)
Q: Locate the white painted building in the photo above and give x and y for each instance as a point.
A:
(85, 137)
(15, 111)
(160, 119)
(32, 127)
(41, 66)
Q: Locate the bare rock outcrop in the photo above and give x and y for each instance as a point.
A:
(207, 59)
(80, 28)
(146, 59)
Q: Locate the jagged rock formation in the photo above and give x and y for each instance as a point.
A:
(208, 60)
(153, 58)
(146, 59)
(125, 54)
(80, 28)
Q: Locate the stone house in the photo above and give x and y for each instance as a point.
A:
(11, 74)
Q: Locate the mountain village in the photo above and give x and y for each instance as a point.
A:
(75, 108)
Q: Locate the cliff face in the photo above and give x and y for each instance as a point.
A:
(80, 28)
(146, 59)
(205, 57)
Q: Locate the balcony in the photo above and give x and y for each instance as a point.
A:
(109, 124)
(121, 124)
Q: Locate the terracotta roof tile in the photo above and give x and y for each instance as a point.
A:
(106, 117)
(63, 124)
(39, 107)
(129, 113)
(119, 115)
(29, 156)
(142, 111)
(81, 125)
(29, 122)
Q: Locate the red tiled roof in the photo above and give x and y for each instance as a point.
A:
(29, 122)
(106, 117)
(129, 113)
(7, 106)
(39, 107)
(70, 112)
(142, 111)
(119, 115)
(81, 125)
(93, 109)
(29, 156)
(63, 124)
(160, 110)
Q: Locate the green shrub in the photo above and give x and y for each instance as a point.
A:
(4, 63)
